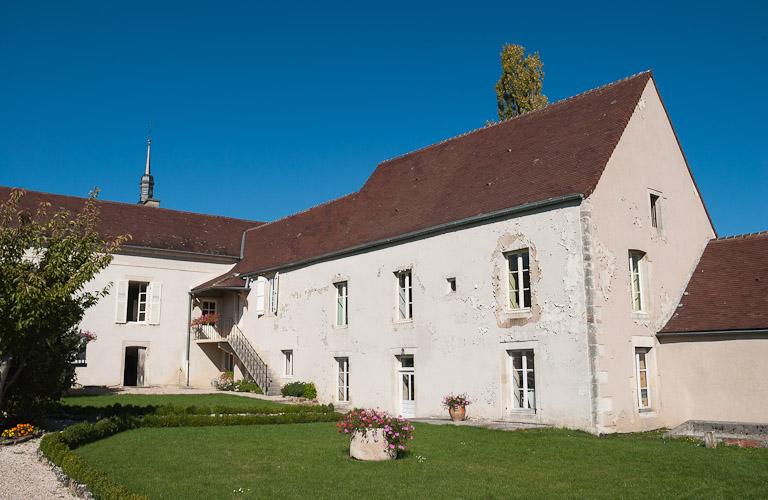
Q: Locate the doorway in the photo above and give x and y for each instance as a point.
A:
(407, 380)
(133, 371)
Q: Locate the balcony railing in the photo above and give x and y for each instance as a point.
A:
(218, 331)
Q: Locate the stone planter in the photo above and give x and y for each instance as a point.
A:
(370, 446)
(458, 414)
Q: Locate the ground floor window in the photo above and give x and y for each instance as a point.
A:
(642, 355)
(229, 362)
(523, 380)
(288, 363)
(342, 394)
(80, 357)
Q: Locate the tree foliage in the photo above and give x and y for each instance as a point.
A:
(46, 260)
(519, 88)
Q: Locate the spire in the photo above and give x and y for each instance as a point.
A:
(149, 147)
(147, 184)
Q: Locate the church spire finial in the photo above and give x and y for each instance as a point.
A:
(147, 184)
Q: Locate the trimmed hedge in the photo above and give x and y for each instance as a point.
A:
(300, 390)
(58, 446)
(137, 411)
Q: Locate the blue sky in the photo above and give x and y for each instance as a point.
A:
(261, 110)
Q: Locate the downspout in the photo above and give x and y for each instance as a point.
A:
(189, 331)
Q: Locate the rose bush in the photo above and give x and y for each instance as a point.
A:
(397, 430)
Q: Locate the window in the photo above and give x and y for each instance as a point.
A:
(518, 267)
(208, 307)
(137, 301)
(636, 260)
(342, 301)
(643, 380)
(523, 380)
(342, 384)
(451, 285)
(404, 295)
(274, 285)
(655, 211)
(288, 362)
(229, 362)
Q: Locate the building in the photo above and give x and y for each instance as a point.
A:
(559, 268)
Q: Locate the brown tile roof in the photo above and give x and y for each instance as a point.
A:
(225, 281)
(153, 227)
(728, 290)
(556, 151)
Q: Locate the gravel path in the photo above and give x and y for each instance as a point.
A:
(24, 477)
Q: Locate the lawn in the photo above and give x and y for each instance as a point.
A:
(228, 400)
(310, 460)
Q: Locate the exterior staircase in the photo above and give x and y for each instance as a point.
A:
(230, 338)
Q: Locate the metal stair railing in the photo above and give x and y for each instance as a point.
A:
(255, 366)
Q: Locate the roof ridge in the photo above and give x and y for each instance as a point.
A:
(285, 217)
(524, 115)
(123, 203)
(742, 236)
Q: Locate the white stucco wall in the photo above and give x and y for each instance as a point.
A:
(459, 340)
(166, 342)
(646, 158)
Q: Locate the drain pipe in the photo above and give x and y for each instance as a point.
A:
(189, 331)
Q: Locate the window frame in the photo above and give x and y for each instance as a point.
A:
(637, 261)
(288, 363)
(520, 272)
(524, 370)
(209, 301)
(342, 303)
(452, 285)
(656, 208)
(342, 379)
(645, 352)
(139, 302)
(404, 295)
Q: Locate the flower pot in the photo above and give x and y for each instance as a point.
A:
(371, 446)
(458, 414)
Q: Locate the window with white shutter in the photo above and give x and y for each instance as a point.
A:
(261, 285)
(154, 296)
(121, 301)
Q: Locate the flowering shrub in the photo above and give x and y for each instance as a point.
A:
(87, 336)
(397, 430)
(21, 430)
(453, 401)
(205, 319)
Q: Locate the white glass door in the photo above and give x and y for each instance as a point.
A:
(407, 393)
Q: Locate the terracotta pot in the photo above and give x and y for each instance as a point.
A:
(370, 446)
(458, 414)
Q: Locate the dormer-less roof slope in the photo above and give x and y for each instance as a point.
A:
(550, 153)
(153, 227)
(728, 291)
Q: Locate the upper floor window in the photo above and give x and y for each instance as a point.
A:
(451, 285)
(274, 288)
(404, 295)
(636, 279)
(655, 201)
(207, 307)
(138, 302)
(519, 279)
(342, 301)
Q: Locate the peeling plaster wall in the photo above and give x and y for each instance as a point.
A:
(459, 340)
(166, 343)
(617, 217)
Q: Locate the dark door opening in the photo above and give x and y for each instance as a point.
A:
(133, 371)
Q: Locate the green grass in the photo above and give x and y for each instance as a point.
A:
(310, 460)
(169, 399)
